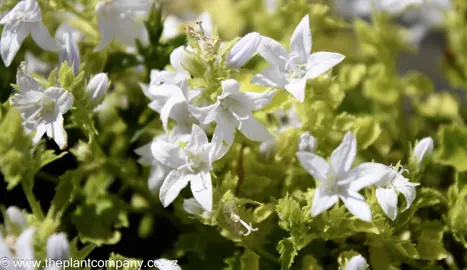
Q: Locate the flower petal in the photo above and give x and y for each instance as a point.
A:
(315, 165)
(64, 99)
(176, 58)
(58, 247)
(69, 52)
(57, 132)
(156, 177)
(197, 138)
(297, 89)
(356, 204)
(13, 36)
(225, 128)
(201, 188)
(254, 130)
(173, 184)
(205, 115)
(387, 199)
(343, 156)
(356, 263)
(322, 201)
(301, 43)
(270, 77)
(107, 26)
(229, 87)
(25, 246)
(16, 218)
(257, 101)
(366, 174)
(191, 206)
(168, 154)
(168, 109)
(273, 52)
(408, 190)
(422, 149)
(321, 62)
(5, 250)
(42, 37)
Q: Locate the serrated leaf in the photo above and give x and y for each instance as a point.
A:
(287, 251)
(117, 262)
(452, 149)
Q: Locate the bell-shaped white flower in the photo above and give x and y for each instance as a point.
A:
(23, 19)
(69, 51)
(121, 19)
(357, 263)
(159, 77)
(423, 149)
(42, 109)
(192, 207)
(97, 88)
(388, 186)
(190, 164)
(307, 143)
(338, 180)
(174, 26)
(242, 51)
(158, 170)
(233, 109)
(290, 71)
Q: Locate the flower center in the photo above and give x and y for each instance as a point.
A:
(47, 105)
(195, 162)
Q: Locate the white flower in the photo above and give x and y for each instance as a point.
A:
(158, 170)
(69, 51)
(291, 71)
(387, 188)
(271, 5)
(191, 164)
(15, 218)
(337, 179)
(307, 143)
(97, 88)
(120, 18)
(191, 206)
(173, 25)
(57, 251)
(23, 19)
(233, 109)
(242, 51)
(423, 149)
(159, 77)
(42, 109)
(356, 263)
(36, 65)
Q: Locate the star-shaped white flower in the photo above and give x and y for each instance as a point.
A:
(387, 188)
(190, 164)
(42, 109)
(290, 71)
(23, 19)
(338, 180)
(233, 109)
(120, 18)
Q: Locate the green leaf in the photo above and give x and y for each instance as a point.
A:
(452, 149)
(119, 262)
(65, 192)
(96, 222)
(65, 75)
(287, 251)
(430, 244)
(310, 263)
(262, 212)
(249, 260)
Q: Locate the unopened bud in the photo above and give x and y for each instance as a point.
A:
(243, 50)
(16, 218)
(97, 88)
(307, 143)
(423, 149)
(69, 52)
(57, 247)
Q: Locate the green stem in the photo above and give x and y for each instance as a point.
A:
(264, 254)
(35, 206)
(48, 177)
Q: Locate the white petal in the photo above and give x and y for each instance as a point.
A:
(365, 175)
(423, 148)
(321, 62)
(357, 206)
(63, 98)
(205, 115)
(297, 89)
(42, 37)
(270, 77)
(26, 82)
(176, 58)
(201, 188)
(273, 52)
(171, 29)
(387, 199)
(225, 128)
(168, 109)
(206, 21)
(13, 36)
(168, 154)
(69, 52)
(254, 130)
(322, 201)
(197, 138)
(343, 156)
(5, 251)
(173, 184)
(315, 165)
(58, 247)
(57, 132)
(230, 87)
(408, 190)
(242, 51)
(191, 206)
(16, 217)
(257, 101)
(25, 246)
(40, 131)
(107, 26)
(156, 178)
(356, 263)
(300, 43)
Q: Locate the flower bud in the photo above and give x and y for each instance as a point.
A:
(69, 52)
(243, 50)
(307, 143)
(57, 247)
(16, 218)
(97, 88)
(423, 149)
(356, 263)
